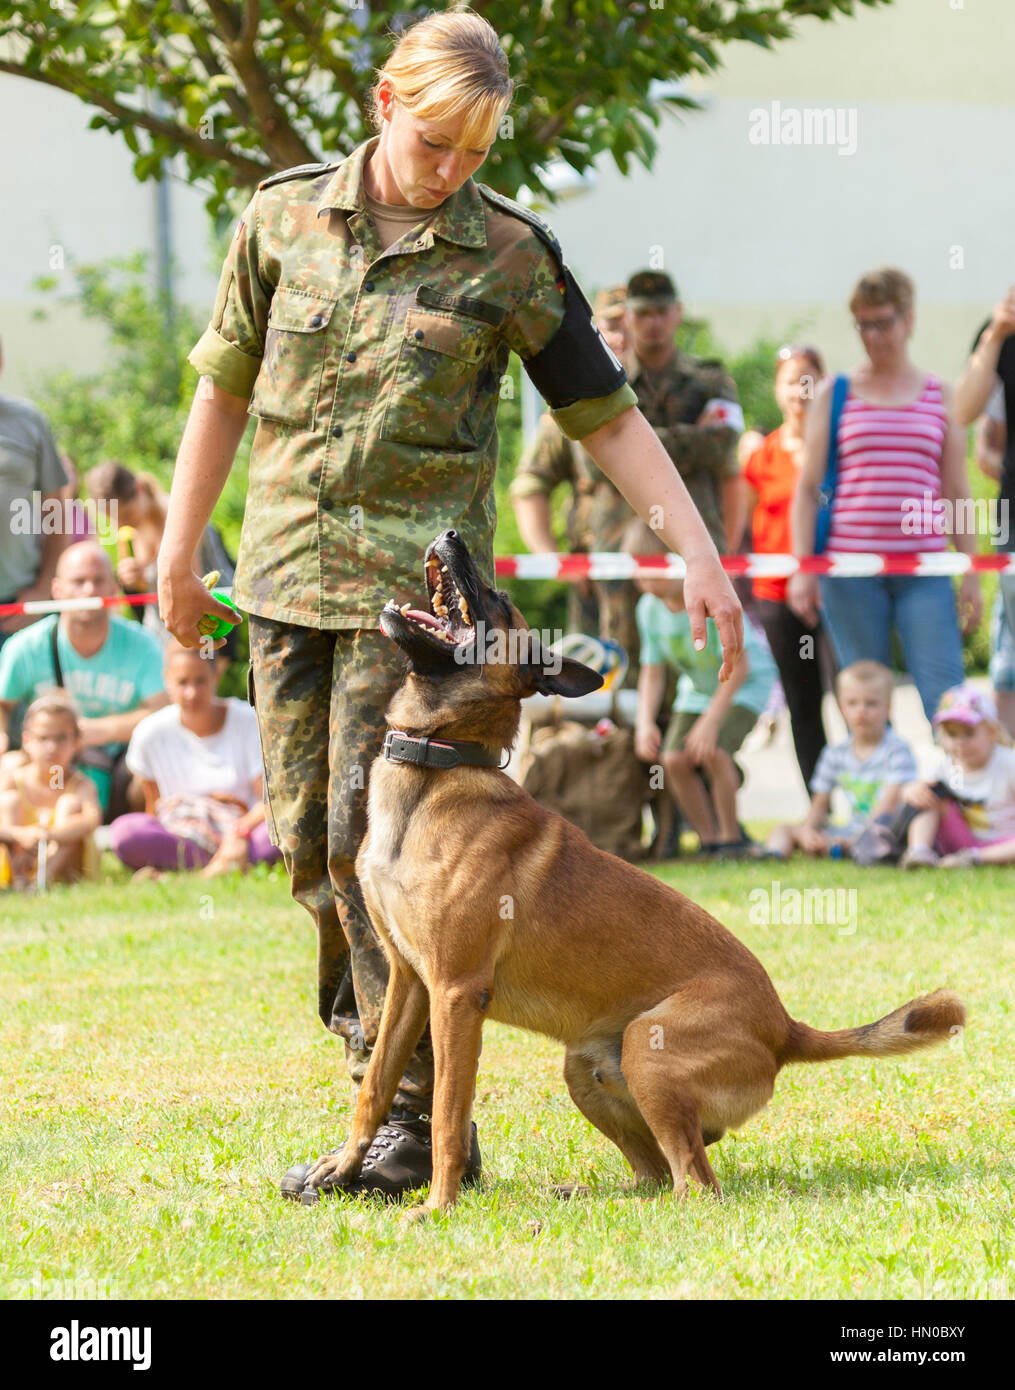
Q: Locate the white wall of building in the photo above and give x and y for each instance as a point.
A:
(69, 191)
(769, 238)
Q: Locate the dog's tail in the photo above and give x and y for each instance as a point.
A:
(931, 1019)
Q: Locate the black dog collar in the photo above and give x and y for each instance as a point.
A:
(443, 753)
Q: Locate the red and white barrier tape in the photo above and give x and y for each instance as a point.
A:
(612, 565)
(40, 607)
(609, 564)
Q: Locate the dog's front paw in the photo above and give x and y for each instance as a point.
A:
(334, 1170)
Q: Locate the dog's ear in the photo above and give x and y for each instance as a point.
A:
(571, 679)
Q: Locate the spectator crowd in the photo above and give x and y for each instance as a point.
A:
(105, 720)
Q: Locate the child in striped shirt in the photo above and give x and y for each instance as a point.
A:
(870, 768)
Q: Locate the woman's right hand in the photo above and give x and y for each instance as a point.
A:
(183, 602)
(803, 594)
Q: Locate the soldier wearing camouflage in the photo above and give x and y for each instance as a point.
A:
(597, 513)
(364, 317)
(372, 340)
(673, 393)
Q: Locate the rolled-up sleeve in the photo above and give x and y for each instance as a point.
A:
(230, 349)
(585, 417)
(551, 327)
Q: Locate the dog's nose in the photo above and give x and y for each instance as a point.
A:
(450, 535)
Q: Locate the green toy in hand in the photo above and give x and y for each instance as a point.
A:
(210, 625)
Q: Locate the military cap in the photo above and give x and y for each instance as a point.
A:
(650, 289)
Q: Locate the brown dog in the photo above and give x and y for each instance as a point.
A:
(489, 906)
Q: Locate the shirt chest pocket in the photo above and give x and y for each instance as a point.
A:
(433, 401)
(289, 383)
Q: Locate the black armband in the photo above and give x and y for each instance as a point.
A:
(576, 364)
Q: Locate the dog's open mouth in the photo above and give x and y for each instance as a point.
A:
(449, 620)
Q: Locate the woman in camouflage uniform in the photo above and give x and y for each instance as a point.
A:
(365, 316)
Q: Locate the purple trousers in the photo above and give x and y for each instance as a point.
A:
(141, 842)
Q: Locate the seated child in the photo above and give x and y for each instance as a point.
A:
(871, 767)
(46, 802)
(978, 827)
(710, 721)
(199, 761)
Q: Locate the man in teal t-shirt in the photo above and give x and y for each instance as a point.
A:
(710, 721)
(112, 669)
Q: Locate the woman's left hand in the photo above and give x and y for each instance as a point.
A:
(708, 593)
(970, 603)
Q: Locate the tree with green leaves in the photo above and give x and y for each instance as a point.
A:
(241, 88)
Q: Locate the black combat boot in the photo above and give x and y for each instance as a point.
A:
(399, 1160)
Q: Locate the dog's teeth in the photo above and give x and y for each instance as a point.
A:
(405, 608)
(464, 607)
(444, 569)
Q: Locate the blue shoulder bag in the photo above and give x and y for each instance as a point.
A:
(823, 521)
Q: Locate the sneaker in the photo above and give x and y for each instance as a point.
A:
(399, 1160)
(922, 857)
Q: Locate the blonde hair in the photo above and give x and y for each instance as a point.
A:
(867, 673)
(53, 703)
(886, 286)
(448, 66)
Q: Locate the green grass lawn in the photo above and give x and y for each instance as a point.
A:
(163, 1064)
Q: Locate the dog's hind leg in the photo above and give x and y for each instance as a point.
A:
(406, 1005)
(663, 1082)
(600, 1092)
(696, 1067)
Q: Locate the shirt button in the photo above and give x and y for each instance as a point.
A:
(350, 357)
(369, 286)
(316, 321)
(336, 433)
(418, 334)
(326, 504)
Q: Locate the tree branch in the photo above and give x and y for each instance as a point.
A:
(556, 124)
(344, 78)
(182, 136)
(209, 61)
(281, 142)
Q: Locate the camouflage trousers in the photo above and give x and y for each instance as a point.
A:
(320, 699)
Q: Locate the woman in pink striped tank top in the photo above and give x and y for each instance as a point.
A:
(901, 472)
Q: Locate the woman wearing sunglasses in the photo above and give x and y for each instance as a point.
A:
(902, 485)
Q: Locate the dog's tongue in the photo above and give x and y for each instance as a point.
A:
(427, 619)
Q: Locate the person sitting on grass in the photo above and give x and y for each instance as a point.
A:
(870, 768)
(710, 721)
(46, 805)
(199, 761)
(978, 826)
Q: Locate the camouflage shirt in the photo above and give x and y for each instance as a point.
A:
(672, 398)
(598, 513)
(375, 377)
